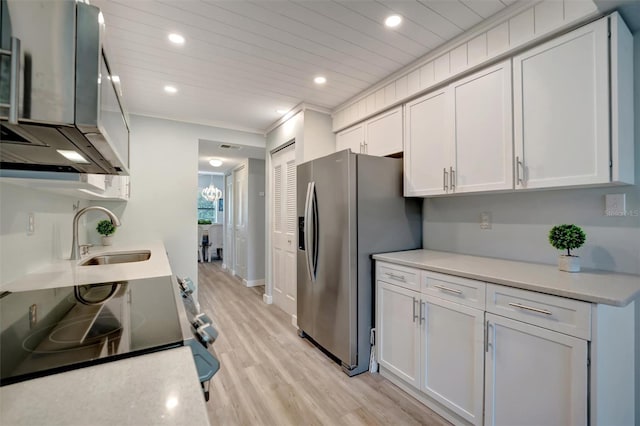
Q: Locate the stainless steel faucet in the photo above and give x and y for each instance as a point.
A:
(75, 247)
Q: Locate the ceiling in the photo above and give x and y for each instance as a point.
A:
(231, 157)
(243, 60)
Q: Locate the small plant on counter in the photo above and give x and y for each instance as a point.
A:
(567, 237)
(106, 229)
(204, 222)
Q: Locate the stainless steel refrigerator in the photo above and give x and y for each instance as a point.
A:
(350, 206)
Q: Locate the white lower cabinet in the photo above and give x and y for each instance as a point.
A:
(398, 331)
(480, 353)
(452, 337)
(534, 376)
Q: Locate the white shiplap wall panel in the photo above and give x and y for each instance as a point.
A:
(521, 28)
(477, 49)
(442, 67)
(458, 59)
(498, 40)
(526, 23)
(548, 15)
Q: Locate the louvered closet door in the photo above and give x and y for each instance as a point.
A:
(284, 229)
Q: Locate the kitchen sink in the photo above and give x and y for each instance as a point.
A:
(113, 258)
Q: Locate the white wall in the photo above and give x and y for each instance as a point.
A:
(20, 253)
(164, 183)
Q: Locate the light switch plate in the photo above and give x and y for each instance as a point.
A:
(485, 220)
(615, 205)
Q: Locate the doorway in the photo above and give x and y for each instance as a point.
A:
(283, 229)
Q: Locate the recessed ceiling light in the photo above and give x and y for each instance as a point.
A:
(176, 38)
(320, 80)
(282, 111)
(115, 78)
(100, 18)
(72, 156)
(393, 21)
(216, 163)
(170, 89)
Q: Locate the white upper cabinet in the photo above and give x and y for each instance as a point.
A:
(564, 109)
(351, 138)
(384, 133)
(459, 138)
(483, 141)
(427, 150)
(379, 136)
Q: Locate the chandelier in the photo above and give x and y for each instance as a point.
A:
(211, 193)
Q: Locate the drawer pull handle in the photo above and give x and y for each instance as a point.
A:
(394, 276)
(450, 290)
(529, 308)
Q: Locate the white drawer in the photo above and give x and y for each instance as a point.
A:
(556, 313)
(460, 290)
(399, 275)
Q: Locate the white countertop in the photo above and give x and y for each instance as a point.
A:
(588, 285)
(65, 273)
(161, 388)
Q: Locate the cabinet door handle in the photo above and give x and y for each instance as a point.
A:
(444, 179)
(518, 164)
(394, 276)
(487, 334)
(450, 290)
(422, 312)
(452, 177)
(530, 308)
(361, 147)
(415, 317)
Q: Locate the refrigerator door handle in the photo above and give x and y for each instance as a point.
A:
(316, 231)
(307, 205)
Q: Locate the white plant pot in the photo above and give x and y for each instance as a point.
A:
(569, 263)
(106, 240)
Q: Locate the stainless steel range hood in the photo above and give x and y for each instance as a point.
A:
(58, 94)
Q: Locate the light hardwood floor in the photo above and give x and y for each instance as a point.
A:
(270, 376)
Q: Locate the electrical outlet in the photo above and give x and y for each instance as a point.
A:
(31, 224)
(615, 204)
(485, 220)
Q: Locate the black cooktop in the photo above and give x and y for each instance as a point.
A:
(54, 330)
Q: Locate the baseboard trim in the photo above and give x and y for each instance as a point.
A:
(267, 299)
(252, 283)
(294, 320)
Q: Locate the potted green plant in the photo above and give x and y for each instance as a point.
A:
(567, 237)
(106, 229)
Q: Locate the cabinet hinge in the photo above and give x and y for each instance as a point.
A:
(588, 362)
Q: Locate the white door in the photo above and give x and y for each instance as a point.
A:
(453, 356)
(283, 229)
(483, 139)
(534, 376)
(229, 251)
(561, 110)
(398, 331)
(384, 133)
(428, 145)
(352, 138)
(240, 199)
